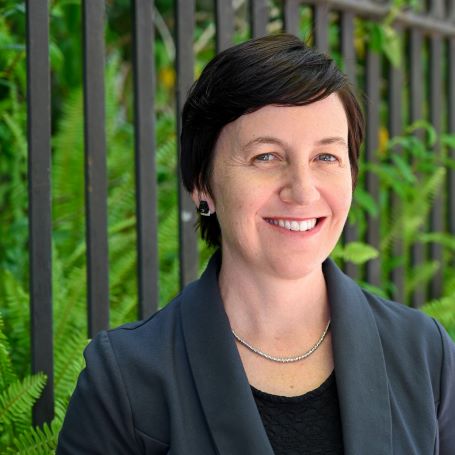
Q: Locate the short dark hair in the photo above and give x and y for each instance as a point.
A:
(273, 70)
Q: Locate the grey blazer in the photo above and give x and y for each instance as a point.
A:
(174, 383)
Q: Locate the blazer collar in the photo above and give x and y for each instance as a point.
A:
(223, 388)
(360, 369)
(220, 379)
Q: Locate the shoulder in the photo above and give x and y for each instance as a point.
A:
(398, 325)
(402, 320)
(161, 321)
(413, 338)
(139, 353)
(126, 378)
(148, 347)
(406, 328)
(418, 350)
(144, 340)
(138, 363)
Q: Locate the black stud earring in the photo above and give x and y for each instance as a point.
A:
(203, 208)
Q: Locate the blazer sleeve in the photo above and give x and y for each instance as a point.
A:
(99, 418)
(446, 410)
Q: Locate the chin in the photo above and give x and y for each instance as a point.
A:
(294, 268)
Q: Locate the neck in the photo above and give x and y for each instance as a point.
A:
(263, 307)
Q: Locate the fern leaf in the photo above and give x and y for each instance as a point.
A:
(124, 310)
(7, 375)
(68, 363)
(38, 441)
(69, 305)
(18, 399)
(420, 275)
(16, 321)
(17, 132)
(414, 213)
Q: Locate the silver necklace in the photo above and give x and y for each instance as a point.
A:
(283, 359)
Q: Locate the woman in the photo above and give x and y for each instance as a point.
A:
(273, 349)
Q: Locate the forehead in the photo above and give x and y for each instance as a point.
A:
(309, 123)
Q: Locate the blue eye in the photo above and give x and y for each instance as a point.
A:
(265, 157)
(327, 157)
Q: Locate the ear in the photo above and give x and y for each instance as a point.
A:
(198, 196)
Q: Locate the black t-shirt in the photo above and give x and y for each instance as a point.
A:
(309, 424)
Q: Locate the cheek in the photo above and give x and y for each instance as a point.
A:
(237, 210)
(243, 195)
(339, 194)
(341, 198)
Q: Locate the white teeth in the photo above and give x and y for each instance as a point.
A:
(293, 225)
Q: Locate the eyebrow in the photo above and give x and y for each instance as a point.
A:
(273, 140)
(332, 140)
(264, 140)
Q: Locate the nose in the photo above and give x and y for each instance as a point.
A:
(300, 187)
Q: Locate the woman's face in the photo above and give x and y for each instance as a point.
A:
(282, 186)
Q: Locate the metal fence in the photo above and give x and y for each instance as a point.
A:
(432, 29)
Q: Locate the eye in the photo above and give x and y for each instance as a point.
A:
(327, 157)
(265, 157)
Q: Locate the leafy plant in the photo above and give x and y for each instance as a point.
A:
(411, 171)
(17, 397)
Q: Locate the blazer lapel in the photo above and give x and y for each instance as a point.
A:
(220, 379)
(360, 368)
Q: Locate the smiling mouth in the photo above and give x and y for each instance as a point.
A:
(294, 225)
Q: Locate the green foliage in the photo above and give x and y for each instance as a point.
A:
(355, 252)
(15, 311)
(36, 440)
(383, 36)
(15, 399)
(411, 172)
(17, 396)
(384, 39)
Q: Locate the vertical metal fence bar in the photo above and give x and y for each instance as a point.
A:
(437, 212)
(39, 190)
(373, 81)
(349, 61)
(185, 61)
(347, 45)
(437, 9)
(395, 128)
(224, 24)
(451, 129)
(95, 166)
(146, 207)
(416, 106)
(259, 17)
(321, 26)
(291, 15)
(451, 11)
